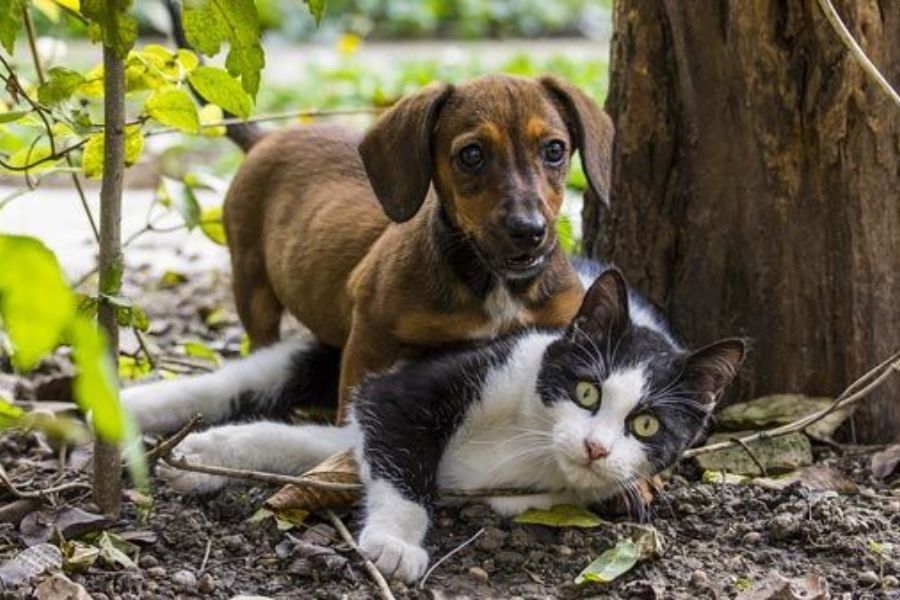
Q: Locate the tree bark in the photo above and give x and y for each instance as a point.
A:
(756, 186)
(107, 483)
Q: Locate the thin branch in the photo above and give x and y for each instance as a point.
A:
(856, 51)
(38, 494)
(444, 558)
(376, 575)
(282, 116)
(246, 474)
(165, 447)
(855, 392)
(51, 157)
(752, 455)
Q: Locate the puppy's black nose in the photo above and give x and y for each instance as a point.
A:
(526, 231)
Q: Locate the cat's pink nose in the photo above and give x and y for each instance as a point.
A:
(595, 450)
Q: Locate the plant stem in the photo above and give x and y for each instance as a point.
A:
(107, 461)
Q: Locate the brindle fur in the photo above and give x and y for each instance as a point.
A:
(386, 248)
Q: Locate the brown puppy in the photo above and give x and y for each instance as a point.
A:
(436, 228)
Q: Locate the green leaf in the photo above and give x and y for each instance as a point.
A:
(217, 86)
(96, 389)
(10, 414)
(565, 231)
(212, 226)
(31, 156)
(210, 119)
(200, 350)
(78, 557)
(115, 551)
(316, 9)
(182, 197)
(561, 515)
(210, 23)
(132, 368)
(12, 115)
(60, 85)
(616, 561)
(10, 22)
(175, 108)
(92, 158)
(111, 24)
(36, 304)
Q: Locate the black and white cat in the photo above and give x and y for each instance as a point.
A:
(577, 415)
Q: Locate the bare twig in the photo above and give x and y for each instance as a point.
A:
(36, 494)
(856, 51)
(276, 478)
(205, 558)
(855, 392)
(282, 116)
(379, 579)
(165, 447)
(444, 558)
(752, 455)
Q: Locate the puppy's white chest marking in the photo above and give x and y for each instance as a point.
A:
(503, 311)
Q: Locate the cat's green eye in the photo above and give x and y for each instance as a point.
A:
(587, 394)
(645, 425)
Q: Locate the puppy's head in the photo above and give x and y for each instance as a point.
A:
(497, 150)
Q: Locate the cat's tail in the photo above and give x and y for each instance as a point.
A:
(269, 383)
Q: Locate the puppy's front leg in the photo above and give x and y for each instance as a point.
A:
(367, 351)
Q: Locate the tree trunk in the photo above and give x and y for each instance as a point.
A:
(107, 482)
(756, 186)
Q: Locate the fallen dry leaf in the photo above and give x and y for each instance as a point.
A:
(819, 478)
(340, 468)
(885, 463)
(778, 587)
(66, 522)
(60, 587)
(28, 564)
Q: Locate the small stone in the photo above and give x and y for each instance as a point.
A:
(233, 542)
(147, 561)
(322, 534)
(185, 580)
(868, 578)
(156, 572)
(890, 581)
(446, 523)
(207, 584)
(489, 565)
(479, 574)
(300, 567)
(565, 551)
(699, 579)
(784, 526)
(751, 538)
(492, 539)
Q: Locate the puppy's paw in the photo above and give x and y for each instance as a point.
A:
(196, 449)
(393, 556)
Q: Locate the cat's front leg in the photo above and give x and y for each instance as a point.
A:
(393, 533)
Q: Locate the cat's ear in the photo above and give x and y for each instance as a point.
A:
(604, 309)
(709, 370)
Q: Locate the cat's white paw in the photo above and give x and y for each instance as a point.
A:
(393, 556)
(510, 506)
(198, 449)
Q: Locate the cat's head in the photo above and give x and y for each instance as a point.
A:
(625, 401)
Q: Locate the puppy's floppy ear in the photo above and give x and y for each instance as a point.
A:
(604, 309)
(397, 151)
(591, 129)
(710, 369)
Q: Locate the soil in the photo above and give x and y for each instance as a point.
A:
(720, 539)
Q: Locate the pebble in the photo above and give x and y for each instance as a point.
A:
(147, 561)
(699, 579)
(233, 542)
(479, 574)
(565, 551)
(890, 581)
(185, 580)
(868, 578)
(784, 526)
(751, 538)
(207, 584)
(446, 523)
(492, 539)
(156, 572)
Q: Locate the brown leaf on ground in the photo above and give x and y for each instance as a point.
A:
(778, 587)
(885, 463)
(66, 522)
(820, 478)
(25, 566)
(60, 587)
(340, 468)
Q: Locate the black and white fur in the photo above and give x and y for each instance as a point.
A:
(498, 416)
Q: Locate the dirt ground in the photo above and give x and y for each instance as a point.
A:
(719, 539)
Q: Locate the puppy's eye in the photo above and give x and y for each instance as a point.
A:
(645, 425)
(587, 395)
(471, 157)
(554, 152)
